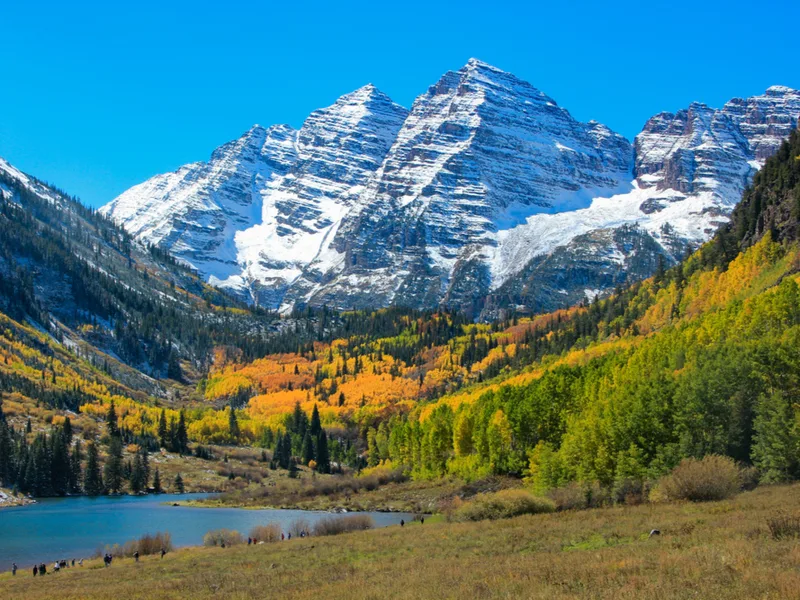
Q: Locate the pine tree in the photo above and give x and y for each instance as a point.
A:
(316, 426)
(174, 367)
(308, 448)
(111, 420)
(177, 485)
(5, 453)
(145, 465)
(137, 475)
(93, 484)
(157, 482)
(299, 421)
(163, 432)
(182, 437)
(76, 472)
(233, 426)
(323, 457)
(113, 469)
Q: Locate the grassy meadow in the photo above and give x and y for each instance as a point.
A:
(706, 550)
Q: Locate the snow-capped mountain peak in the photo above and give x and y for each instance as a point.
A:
(485, 194)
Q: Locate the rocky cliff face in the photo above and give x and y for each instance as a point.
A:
(485, 189)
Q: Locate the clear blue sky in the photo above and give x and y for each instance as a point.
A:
(98, 96)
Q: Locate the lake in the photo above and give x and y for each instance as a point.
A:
(56, 528)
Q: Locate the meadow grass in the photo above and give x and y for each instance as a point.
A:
(722, 549)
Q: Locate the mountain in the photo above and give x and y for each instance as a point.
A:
(265, 205)
(485, 196)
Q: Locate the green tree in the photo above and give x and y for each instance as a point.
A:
(233, 426)
(163, 431)
(93, 483)
(178, 485)
(157, 482)
(323, 457)
(111, 420)
(308, 448)
(113, 469)
(776, 451)
(316, 426)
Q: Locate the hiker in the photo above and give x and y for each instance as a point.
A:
(73, 562)
(402, 523)
(80, 563)
(42, 569)
(223, 543)
(35, 570)
(13, 569)
(289, 536)
(163, 552)
(283, 537)
(422, 521)
(136, 556)
(249, 541)
(56, 567)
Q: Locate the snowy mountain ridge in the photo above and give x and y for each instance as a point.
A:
(468, 199)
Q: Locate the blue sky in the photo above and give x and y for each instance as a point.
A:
(98, 96)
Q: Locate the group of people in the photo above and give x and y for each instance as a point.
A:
(41, 569)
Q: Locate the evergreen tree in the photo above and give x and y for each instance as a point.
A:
(163, 432)
(299, 421)
(174, 367)
(113, 469)
(323, 456)
(111, 420)
(177, 485)
(233, 426)
(93, 484)
(5, 453)
(76, 472)
(145, 465)
(157, 482)
(137, 482)
(181, 436)
(316, 426)
(308, 448)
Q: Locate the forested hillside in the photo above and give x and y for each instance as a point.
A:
(702, 358)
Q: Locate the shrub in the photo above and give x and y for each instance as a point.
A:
(502, 505)
(266, 533)
(298, 526)
(569, 497)
(147, 544)
(749, 478)
(783, 526)
(217, 537)
(713, 477)
(337, 525)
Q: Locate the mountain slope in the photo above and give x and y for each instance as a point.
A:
(265, 205)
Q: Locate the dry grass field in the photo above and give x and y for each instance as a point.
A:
(711, 550)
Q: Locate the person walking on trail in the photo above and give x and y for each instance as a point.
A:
(163, 552)
(42, 569)
(422, 521)
(35, 570)
(283, 537)
(80, 563)
(136, 556)
(402, 523)
(13, 569)
(56, 567)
